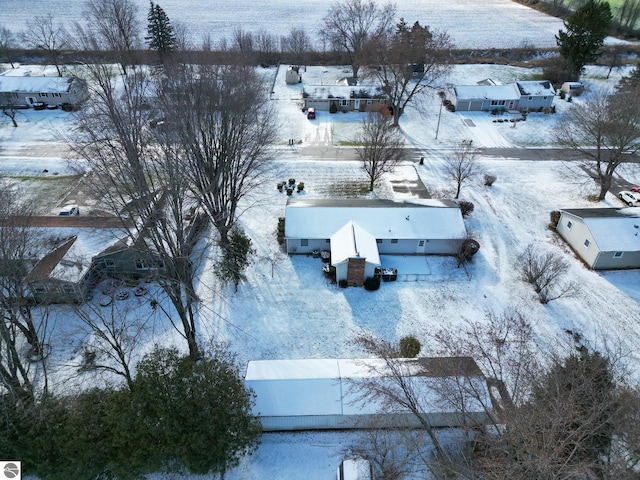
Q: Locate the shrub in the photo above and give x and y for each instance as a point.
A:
(372, 283)
(466, 207)
(280, 186)
(409, 347)
(292, 181)
(468, 248)
(342, 283)
(489, 179)
(569, 98)
(289, 191)
(555, 218)
(301, 186)
(333, 108)
(562, 94)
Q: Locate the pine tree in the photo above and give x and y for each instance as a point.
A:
(236, 257)
(585, 32)
(161, 36)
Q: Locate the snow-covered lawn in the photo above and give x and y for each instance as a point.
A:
(287, 309)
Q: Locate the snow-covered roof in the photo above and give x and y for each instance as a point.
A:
(343, 91)
(68, 251)
(536, 88)
(35, 84)
(352, 241)
(613, 229)
(330, 386)
(383, 219)
(488, 92)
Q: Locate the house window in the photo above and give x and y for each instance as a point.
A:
(158, 264)
(497, 103)
(587, 243)
(369, 102)
(304, 242)
(569, 224)
(544, 98)
(378, 240)
(44, 95)
(618, 254)
(344, 103)
(394, 240)
(141, 265)
(421, 243)
(530, 98)
(109, 262)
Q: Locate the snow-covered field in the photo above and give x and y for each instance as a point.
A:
(286, 308)
(471, 23)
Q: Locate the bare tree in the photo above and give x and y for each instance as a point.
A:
(381, 146)
(18, 327)
(547, 272)
(462, 165)
(8, 107)
(223, 125)
(46, 34)
(298, 44)
(7, 42)
(627, 15)
(267, 46)
(116, 26)
(116, 335)
(605, 131)
(407, 62)
(350, 24)
(243, 42)
(140, 178)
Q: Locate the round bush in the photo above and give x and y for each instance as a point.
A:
(372, 283)
(409, 347)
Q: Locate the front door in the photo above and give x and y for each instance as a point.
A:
(420, 246)
(356, 104)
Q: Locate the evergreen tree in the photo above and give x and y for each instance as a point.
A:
(161, 36)
(585, 31)
(235, 258)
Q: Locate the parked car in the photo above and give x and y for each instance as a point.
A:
(311, 113)
(69, 211)
(630, 198)
(635, 189)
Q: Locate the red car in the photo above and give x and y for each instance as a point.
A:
(635, 189)
(311, 113)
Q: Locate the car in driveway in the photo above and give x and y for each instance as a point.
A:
(311, 113)
(630, 198)
(69, 211)
(635, 189)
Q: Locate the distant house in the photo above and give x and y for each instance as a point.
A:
(488, 96)
(346, 98)
(357, 231)
(605, 238)
(29, 90)
(316, 394)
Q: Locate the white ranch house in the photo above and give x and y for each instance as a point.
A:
(605, 238)
(487, 96)
(346, 98)
(358, 231)
(29, 90)
(316, 394)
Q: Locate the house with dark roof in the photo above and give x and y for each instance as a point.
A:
(605, 238)
(487, 96)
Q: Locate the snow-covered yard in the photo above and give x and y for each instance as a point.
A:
(287, 309)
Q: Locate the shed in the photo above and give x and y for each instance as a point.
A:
(293, 75)
(310, 394)
(605, 238)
